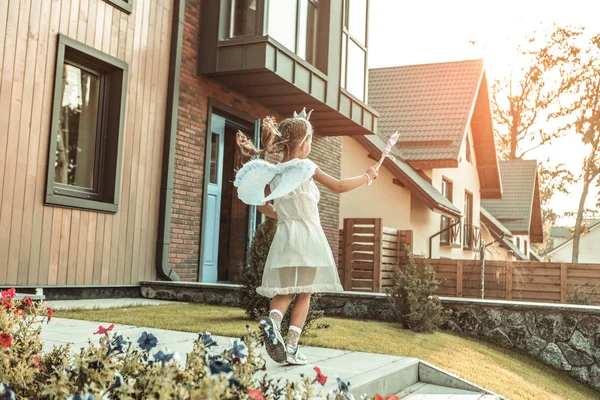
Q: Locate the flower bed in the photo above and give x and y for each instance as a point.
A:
(121, 368)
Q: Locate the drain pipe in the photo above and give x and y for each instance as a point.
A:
(439, 233)
(168, 165)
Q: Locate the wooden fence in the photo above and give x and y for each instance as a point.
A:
(516, 280)
(369, 254)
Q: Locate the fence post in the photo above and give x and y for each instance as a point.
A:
(348, 257)
(377, 255)
(509, 282)
(564, 287)
(459, 278)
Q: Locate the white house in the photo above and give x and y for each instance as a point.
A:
(589, 249)
(444, 163)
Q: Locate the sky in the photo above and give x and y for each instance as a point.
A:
(428, 31)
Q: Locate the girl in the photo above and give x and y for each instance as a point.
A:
(300, 261)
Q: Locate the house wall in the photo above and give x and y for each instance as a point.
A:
(396, 205)
(464, 178)
(383, 199)
(588, 249)
(494, 250)
(47, 246)
(195, 92)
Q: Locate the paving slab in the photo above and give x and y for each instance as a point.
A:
(104, 303)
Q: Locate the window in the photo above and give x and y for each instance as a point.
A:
(526, 249)
(123, 5)
(303, 17)
(244, 16)
(468, 213)
(354, 48)
(87, 126)
(519, 243)
(468, 150)
(445, 223)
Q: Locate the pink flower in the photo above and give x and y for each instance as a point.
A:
(8, 294)
(5, 340)
(27, 301)
(102, 330)
(322, 379)
(255, 394)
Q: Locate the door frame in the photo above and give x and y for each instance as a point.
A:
(230, 114)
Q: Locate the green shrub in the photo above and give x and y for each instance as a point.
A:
(257, 307)
(119, 368)
(413, 296)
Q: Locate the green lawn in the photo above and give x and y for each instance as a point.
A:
(506, 372)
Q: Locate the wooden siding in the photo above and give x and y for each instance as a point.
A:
(42, 245)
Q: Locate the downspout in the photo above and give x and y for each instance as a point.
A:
(168, 165)
(439, 233)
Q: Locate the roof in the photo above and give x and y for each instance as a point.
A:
(517, 252)
(535, 256)
(409, 177)
(519, 210)
(592, 224)
(560, 232)
(432, 107)
(493, 223)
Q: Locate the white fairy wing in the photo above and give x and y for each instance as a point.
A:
(293, 173)
(255, 175)
(251, 180)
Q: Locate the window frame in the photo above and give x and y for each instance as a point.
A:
(123, 5)
(446, 236)
(468, 156)
(345, 46)
(113, 91)
(468, 231)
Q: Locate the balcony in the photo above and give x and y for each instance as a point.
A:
(287, 66)
(471, 237)
(450, 233)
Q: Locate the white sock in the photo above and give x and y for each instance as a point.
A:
(293, 336)
(277, 316)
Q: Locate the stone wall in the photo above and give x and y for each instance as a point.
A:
(562, 336)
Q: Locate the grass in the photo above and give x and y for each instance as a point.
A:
(503, 371)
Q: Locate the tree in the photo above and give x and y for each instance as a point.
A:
(553, 179)
(587, 127)
(531, 95)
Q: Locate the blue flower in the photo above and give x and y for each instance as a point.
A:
(147, 341)
(343, 387)
(117, 345)
(239, 351)
(207, 339)
(165, 355)
(87, 396)
(235, 384)
(268, 332)
(220, 368)
(6, 393)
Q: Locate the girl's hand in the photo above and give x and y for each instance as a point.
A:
(373, 173)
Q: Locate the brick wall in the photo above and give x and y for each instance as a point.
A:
(186, 214)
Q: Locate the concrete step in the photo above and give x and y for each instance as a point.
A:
(427, 391)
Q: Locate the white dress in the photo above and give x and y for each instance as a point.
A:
(300, 259)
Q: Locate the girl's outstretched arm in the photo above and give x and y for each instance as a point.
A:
(344, 185)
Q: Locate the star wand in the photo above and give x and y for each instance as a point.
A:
(388, 148)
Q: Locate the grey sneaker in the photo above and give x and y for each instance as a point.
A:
(274, 342)
(294, 356)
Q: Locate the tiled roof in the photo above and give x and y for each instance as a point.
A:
(514, 210)
(430, 191)
(430, 105)
(560, 232)
(496, 225)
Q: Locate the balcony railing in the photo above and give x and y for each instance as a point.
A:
(450, 235)
(471, 237)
